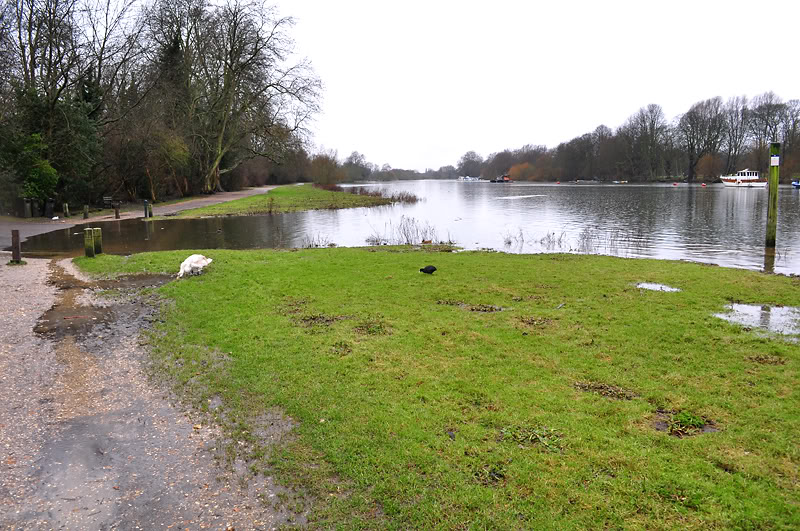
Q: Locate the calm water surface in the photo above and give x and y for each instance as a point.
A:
(710, 224)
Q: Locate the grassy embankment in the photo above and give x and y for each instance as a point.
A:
(287, 199)
(419, 406)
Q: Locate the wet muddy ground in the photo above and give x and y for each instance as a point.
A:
(87, 441)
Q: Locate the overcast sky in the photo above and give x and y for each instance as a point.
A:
(416, 84)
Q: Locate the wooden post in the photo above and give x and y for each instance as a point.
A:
(66, 210)
(88, 242)
(85, 211)
(774, 177)
(150, 210)
(116, 210)
(145, 209)
(769, 260)
(16, 251)
(98, 240)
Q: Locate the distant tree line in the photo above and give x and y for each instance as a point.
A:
(146, 98)
(712, 138)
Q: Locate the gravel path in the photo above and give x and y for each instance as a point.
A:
(87, 441)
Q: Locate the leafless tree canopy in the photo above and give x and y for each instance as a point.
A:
(138, 98)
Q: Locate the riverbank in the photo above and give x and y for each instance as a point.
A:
(32, 226)
(504, 391)
(288, 199)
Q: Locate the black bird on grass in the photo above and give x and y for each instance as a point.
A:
(428, 269)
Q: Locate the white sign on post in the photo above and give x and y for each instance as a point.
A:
(774, 160)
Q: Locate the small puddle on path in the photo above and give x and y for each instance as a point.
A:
(778, 319)
(71, 316)
(655, 287)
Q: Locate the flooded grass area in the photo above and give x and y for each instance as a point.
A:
(290, 199)
(777, 319)
(413, 411)
(652, 286)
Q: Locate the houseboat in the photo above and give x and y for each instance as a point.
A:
(744, 179)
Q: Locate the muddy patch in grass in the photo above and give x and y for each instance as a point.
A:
(482, 308)
(683, 423)
(294, 305)
(535, 322)
(490, 474)
(373, 326)
(318, 320)
(342, 348)
(485, 308)
(766, 359)
(541, 436)
(606, 390)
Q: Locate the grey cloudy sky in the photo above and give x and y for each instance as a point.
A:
(416, 83)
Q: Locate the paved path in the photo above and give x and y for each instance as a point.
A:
(32, 228)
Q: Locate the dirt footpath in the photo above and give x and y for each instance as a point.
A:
(87, 441)
(28, 228)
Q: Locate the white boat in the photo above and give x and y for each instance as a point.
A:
(744, 179)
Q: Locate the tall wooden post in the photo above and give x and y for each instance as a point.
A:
(16, 252)
(66, 210)
(116, 210)
(88, 242)
(98, 240)
(85, 211)
(150, 210)
(774, 177)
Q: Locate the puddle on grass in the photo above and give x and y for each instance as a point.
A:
(652, 286)
(778, 319)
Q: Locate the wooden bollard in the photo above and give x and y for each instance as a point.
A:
(85, 211)
(16, 251)
(66, 210)
(116, 210)
(98, 240)
(150, 210)
(88, 242)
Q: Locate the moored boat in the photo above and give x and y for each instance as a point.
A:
(503, 179)
(744, 179)
(796, 184)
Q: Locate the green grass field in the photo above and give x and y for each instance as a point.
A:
(504, 391)
(286, 199)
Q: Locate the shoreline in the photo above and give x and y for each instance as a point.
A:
(28, 227)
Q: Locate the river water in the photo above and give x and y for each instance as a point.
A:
(710, 224)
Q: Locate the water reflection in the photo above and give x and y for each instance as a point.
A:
(779, 319)
(712, 224)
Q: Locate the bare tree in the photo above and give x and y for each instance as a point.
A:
(737, 130)
(47, 46)
(701, 131)
(765, 123)
(111, 36)
(253, 97)
(470, 164)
